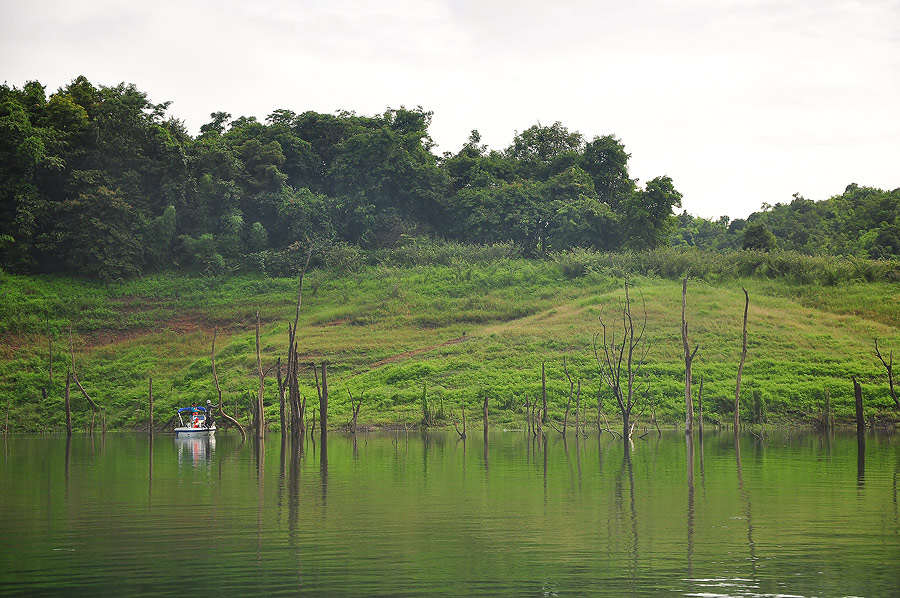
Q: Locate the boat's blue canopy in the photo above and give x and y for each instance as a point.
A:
(183, 409)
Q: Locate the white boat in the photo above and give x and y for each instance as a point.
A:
(199, 422)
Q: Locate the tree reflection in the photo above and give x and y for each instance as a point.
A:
(689, 440)
(323, 470)
(745, 498)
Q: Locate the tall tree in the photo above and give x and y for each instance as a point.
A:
(647, 217)
(605, 160)
(543, 151)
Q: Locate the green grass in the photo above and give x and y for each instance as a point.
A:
(384, 329)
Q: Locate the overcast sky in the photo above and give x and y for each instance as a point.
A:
(739, 101)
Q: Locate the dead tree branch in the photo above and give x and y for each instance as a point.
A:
(298, 422)
(355, 409)
(94, 406)
(260, 414)
(569, 402)
(889, 366)
(688, 361)
(737, 390)
(462, 434)
(227, 417)
(622, 358)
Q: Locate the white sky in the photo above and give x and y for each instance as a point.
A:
(739, 101)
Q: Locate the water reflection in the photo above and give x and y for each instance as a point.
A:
(259, 444)
(149, 470)
(600, 453)
(68, 459)
(689, 440)
(702, 474)
(745, 498)
(896, 518)
(195, 451)
(632, 550)
(349, 520)
(543, 440)
(323, 470)
(578, 457)
(861, 459)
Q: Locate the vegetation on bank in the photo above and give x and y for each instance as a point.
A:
(435, 326)
(101, 182)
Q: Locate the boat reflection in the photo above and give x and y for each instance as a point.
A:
(195, 450)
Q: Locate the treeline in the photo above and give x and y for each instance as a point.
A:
(862, 222)
(99, 181)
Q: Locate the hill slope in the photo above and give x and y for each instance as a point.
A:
(451, 332)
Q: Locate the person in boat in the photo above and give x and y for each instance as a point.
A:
(195, 415)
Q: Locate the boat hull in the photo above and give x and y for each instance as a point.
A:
(187, 431)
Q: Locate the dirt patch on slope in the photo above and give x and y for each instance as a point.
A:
(401, 356)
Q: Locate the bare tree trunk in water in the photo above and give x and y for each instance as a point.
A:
(528, 422)
(860, 433)
(94, 406)
(737, 390)
(578, 411)
(260, 415)
(860, 420)
(463, 433)
(543, 394)
(298, 425)
(281, 413)
(323, 401)
(68, 407)
(622, 357)
(688, 361)
(889, 366)
(700, 406)
(150, 425)
(569, 402)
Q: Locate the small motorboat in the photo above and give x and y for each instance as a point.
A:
(199, 421)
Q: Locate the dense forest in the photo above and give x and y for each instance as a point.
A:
(99, 181)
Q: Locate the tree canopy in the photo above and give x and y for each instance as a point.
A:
(101, 181)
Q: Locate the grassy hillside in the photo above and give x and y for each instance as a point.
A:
(453, 331)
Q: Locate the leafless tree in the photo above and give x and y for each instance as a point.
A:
(568, 403)
(260, 414)
(620, 358)
(578, 410)
(323, 400)
(94, 406)
(354, 408)
(528, 422)
(68, 409)
(462, 434)
(700, 406)
(688, 361)
(227, 417)
(297, 404)
(737, 390)
(543, 394)
(889, 366)
(150, 424)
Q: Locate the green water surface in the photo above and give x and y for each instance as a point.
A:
(397, 514)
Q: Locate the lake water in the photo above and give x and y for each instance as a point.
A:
(426, 514)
